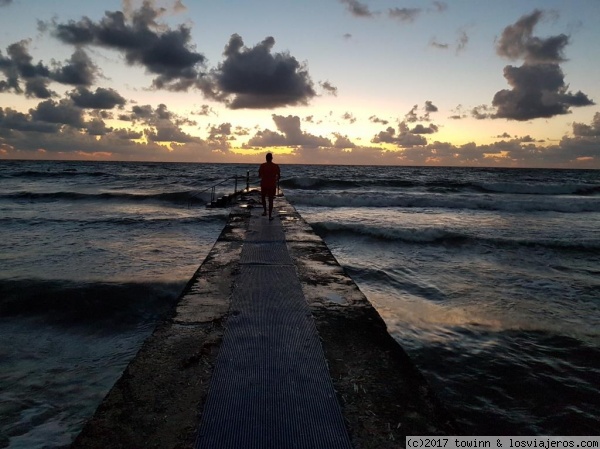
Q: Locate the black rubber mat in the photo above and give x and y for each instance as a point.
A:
(271, 253)
(271, 386)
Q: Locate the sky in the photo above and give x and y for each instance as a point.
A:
(512, 83)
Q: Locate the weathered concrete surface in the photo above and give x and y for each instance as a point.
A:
(158, 401)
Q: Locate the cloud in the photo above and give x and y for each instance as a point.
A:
(403, 139)
(255, 78)
(79, 70)
(18, 67)
(349, 117)
(97, 127)
(163, 51)
(482, 112)
(538, 87)
(537, 91)
(329, 88)
(404, 14)
(435, 44)
(412, 116)
(205, 110)
(11, 120)
(290, 134)
(60, 112)
(167, 131)
(374, 119)
(462, 41)
(221, 131)
(5, 2)
(357, 8)
(517, 42)
(430, 107)
(420, 129)
(342, 141)
(101, 99)
(583, 130)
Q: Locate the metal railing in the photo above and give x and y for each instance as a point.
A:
(222, 201)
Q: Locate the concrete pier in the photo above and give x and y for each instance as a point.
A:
(273, 345)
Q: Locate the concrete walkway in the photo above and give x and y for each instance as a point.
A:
(271, 387)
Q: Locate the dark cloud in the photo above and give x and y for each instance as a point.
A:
(97, 127)
(127, 134)
(537, 91)
(78, 71)
(374, 119)
(17, 121)
(412, 116)
(342, 142)
(403, 139)
(538, 87)
(220, 132)
(256, 78)
(101, 99)
(169, 132)
(517, 42)
(482, 112)
(430, 107)
(18, 65)
(5, 2)
(420, 129)
(38, 88)
(163, 51)
(61, 112)
(290, 135)
(592, 130)
(404, 14)
(357, 8)
(205, 110)
(504, 135)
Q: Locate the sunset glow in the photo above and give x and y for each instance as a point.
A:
(382, 82)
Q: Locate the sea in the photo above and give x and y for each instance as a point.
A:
(489, 278)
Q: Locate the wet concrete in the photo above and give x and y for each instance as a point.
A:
(158, 401)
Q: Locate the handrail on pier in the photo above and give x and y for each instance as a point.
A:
(224, 200)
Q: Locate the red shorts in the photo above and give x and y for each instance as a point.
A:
(268, 191)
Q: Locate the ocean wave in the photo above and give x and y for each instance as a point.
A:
(540, 189)
(117, 221)
(67, 173)
(415, 235)
(307, 183)
(180, 197)
(443, 185)
(436, 200)
(75, 303)
(446, 237)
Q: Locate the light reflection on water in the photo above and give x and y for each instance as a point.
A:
(506, 329)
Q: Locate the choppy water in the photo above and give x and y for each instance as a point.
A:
(487, 277)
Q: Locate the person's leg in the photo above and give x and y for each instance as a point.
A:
(270, 206)
(264, 201)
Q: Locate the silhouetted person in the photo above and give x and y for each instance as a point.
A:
(269, 175)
